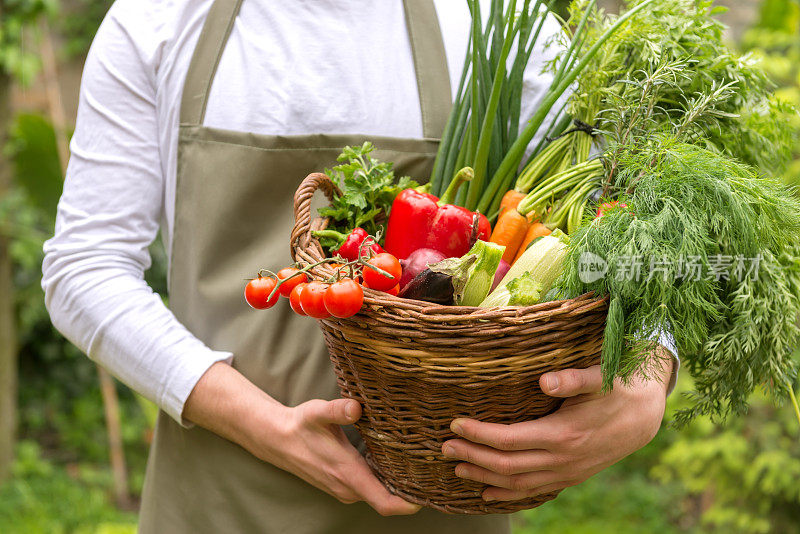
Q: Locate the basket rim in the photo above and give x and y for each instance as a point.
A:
(383, 299)
(306, 248)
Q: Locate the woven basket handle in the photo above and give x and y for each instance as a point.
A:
(301, 242)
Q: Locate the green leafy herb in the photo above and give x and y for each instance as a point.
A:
(670, 73)
(735, 328)
(368, 188)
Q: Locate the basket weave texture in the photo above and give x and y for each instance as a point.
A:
(415, 366)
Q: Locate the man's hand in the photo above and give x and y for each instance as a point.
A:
(306, 440)
(315, 448)
(590, 432)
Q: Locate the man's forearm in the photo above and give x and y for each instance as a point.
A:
(226, 403)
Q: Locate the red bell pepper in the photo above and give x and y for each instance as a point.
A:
(421, 220)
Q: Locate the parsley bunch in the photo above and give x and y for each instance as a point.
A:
(368, 188)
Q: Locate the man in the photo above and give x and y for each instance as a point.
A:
(200, 119)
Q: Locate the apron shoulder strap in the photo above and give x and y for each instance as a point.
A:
(430, 60)
(207, 53)
(427, 48)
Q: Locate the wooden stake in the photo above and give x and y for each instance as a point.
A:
(117, 452)
(53, 91)
(8, 338)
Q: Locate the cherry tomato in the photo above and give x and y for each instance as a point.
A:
(344, 298)
(294, 298)
(257, 292)
(388, 263)
(292, 280)
(312, 300)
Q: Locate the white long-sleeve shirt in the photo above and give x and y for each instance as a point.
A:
(305, 66)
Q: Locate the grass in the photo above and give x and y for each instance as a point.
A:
(43, 497)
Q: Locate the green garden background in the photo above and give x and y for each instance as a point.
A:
(73, 443)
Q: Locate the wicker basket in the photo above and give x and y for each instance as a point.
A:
(415, 366)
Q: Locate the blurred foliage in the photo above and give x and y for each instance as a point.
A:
(60, 402)
(775, 41)
(79, 24)
(618, 500)
(19, 19)
(45, 497)
(32, 149)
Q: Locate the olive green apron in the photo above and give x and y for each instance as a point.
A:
(233, 216)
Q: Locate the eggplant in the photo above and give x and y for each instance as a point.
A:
(430, 286)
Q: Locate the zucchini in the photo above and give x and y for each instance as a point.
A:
(533, 274)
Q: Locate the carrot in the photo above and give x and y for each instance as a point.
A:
(509, 232)
(535, 230)
(510, 200)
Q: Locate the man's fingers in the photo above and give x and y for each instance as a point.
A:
(335, 412)
(543, 433)
(376, 495)
(503, 494)
(572, 382)
(501, 462)
(519, 482)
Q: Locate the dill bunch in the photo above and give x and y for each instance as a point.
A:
(734, 328)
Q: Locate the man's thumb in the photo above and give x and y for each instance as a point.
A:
(338, 412)
(572, 382)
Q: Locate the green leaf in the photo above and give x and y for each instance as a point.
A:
(368, 189)
(34, 153)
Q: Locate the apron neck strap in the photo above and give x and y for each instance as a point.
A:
(430, 61)
(433, 80)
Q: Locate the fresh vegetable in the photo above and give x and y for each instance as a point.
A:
(472, 274)
(510, 201)
(543, 261)
(394, 291)
(509, 232)
(291, 277)
(257, 292)
(524, 290)
(430, 286)
(368, 188)
(294, 298)
(734, 327)
(484, 126)
(312, 300)
(344, 298)
(535, 231)
(351, 244)
(501, 271)
(378, 280)
(421, 220)
(574, 185)
(418, 261)
(676, 72)
(674, 75)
